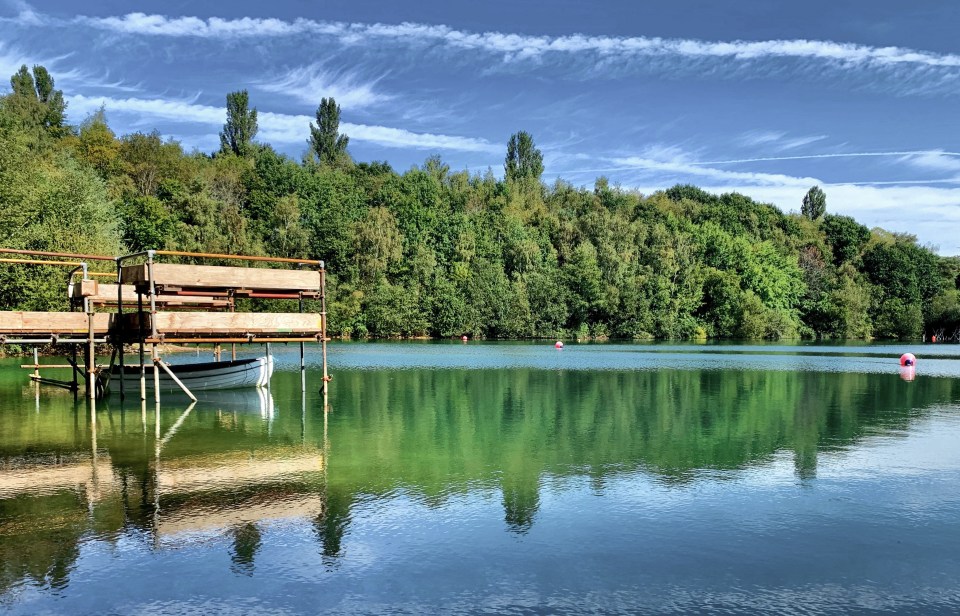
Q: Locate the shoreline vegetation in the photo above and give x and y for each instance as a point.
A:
(436, 253)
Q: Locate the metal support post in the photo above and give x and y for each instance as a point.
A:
(323, 323)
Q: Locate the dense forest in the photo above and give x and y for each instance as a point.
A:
(437, 252)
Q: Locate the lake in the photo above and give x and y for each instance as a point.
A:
(496, 478)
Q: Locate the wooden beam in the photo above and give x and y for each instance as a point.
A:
(237, 322)
(21, 322)
(85, 288)
(221, 277)
(107, 296)
(231, 324)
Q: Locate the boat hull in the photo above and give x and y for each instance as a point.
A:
(241, 373)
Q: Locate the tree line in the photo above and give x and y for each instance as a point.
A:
(431, 251)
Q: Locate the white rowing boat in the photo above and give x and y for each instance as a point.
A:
(199, 376)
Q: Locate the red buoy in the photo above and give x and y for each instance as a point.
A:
(908, 359)
(559, 344)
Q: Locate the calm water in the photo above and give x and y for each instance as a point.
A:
(498, 478)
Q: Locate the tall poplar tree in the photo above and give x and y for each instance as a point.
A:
(36, 103)
(814, 203)
(325, 138)
(524, 160)
(241, 127)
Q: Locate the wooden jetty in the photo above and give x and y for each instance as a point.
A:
(151, 302)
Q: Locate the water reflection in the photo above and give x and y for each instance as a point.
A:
(209, 468)
(231, 466)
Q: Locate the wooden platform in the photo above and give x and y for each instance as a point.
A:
(172, 276)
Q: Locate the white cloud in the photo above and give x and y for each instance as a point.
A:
(308, 84)
(400, 138)
(679, 168)
(274, 127)
(10, 62)
(26, 16)
(908, 154)
(934, 160)
(776, 140)
(283, 128)
(521, 46)
(170, 110)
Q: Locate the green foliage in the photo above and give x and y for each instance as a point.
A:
(438, 252)
(845, 235)
(329, 146)
(241, 126)
(35, 105)
(524, 161)
(814, 203)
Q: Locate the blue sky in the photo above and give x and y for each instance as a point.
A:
(762, 97)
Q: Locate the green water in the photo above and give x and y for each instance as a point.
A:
(497, 478)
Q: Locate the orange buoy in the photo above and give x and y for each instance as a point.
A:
(559, 344)
(908, 359)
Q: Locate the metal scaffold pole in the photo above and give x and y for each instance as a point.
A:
(323, 323)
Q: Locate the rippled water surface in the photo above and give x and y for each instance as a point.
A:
(497, 479)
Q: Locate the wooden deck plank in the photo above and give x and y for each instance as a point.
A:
(223, 277)
(21, 322)
(233, 324)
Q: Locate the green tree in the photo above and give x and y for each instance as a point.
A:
(326, 141)
(524, 161)
(814, 203)
(241, 127)
(39, 107)
(378, 243)
(97, 145)
(846, 236)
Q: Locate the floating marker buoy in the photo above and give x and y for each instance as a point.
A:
(464, 338)
(908, 359)
(933, 339)
(559, 344)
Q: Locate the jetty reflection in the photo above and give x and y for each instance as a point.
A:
(169, 474)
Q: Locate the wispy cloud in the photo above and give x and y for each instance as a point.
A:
(25, 16)
(308, 84)
(934, 160)
(11, 59)
(10, 62)
(681, 168)
(519, 46)
(276, 127)
(908, 155)
(776, 140)
(165, 109)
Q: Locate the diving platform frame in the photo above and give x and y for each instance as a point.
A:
(152, 302)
